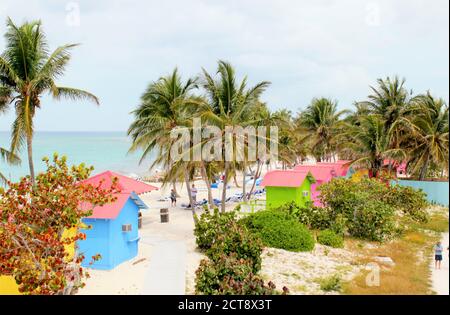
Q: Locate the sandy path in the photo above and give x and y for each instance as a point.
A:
(166, 273)
(440, 277)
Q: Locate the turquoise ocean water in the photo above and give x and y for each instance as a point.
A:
(103, 150)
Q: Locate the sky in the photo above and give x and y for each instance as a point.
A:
(306, 49)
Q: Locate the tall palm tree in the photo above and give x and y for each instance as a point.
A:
(370, 143)
(428, 126)
(163, 108)
(9, 158)
(28, 70)
(231, 104)
(390, 99)
(321, 121)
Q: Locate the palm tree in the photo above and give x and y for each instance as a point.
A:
(321, 121)
(370, 142)
(28, 70)
(163, 108)
(231, 104)
(390, 100)
(428, 126)
(9, 158)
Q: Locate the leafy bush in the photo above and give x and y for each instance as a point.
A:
(363, 208)
(373, 220)
(333, 283)
(238, 240)
(317, 218)
(280, 230)
(330, 238)
(210, 225)
(309, 215)
(230, 275)
(410, 201)
(210, 274)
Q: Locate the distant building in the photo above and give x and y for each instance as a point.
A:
(113, 227)
(323, 172)
(287, 186)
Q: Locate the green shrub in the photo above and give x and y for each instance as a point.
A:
(410, 201)
(209, 225)
(210, 274)
(373, 220)
(251, 285)
(333, 283)
(309, 215)
(365, 209)
(235, 238)
(230, 275)
(330, 238)
(280, 230)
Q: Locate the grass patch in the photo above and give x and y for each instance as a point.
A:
(437, 223)
(411, 253)
(410, 275)
(332, 283)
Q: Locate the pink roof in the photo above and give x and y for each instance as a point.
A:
(342, 166)
(398, 166)
(321, 172)
(289, 178)
(126, 185)
(109, 210)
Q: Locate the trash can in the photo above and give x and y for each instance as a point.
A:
(164, 212)
(140, 220)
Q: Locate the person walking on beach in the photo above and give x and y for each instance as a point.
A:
(173, 198)
(194, 194)
(438, 255)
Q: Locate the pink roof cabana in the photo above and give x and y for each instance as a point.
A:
(127, 187)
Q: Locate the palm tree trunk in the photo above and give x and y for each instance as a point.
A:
(191, 201)
(224, 190)
(244, 197)
(257, 173)
(30, 157)
(235, 181)
(208, 185)
(423, 171)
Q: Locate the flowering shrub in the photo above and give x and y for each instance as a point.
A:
(236, 239)
(33, 218)
(231, 275)
(209, 225)
(234, 257)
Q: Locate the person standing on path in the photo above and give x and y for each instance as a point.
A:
(194, 194)
(438, 255)
(173, 198)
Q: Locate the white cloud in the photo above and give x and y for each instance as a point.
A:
(305, 48)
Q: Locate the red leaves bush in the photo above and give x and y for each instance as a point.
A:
(33, 218)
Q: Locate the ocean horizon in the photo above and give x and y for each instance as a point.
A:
(105, 150)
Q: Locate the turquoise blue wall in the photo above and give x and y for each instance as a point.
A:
(97, 242)
(437, 192)
(107, 239)
(124, 245)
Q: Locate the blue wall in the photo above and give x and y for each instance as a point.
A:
(97, 242)
(437, 192)
(107, 239)
(124, 245)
